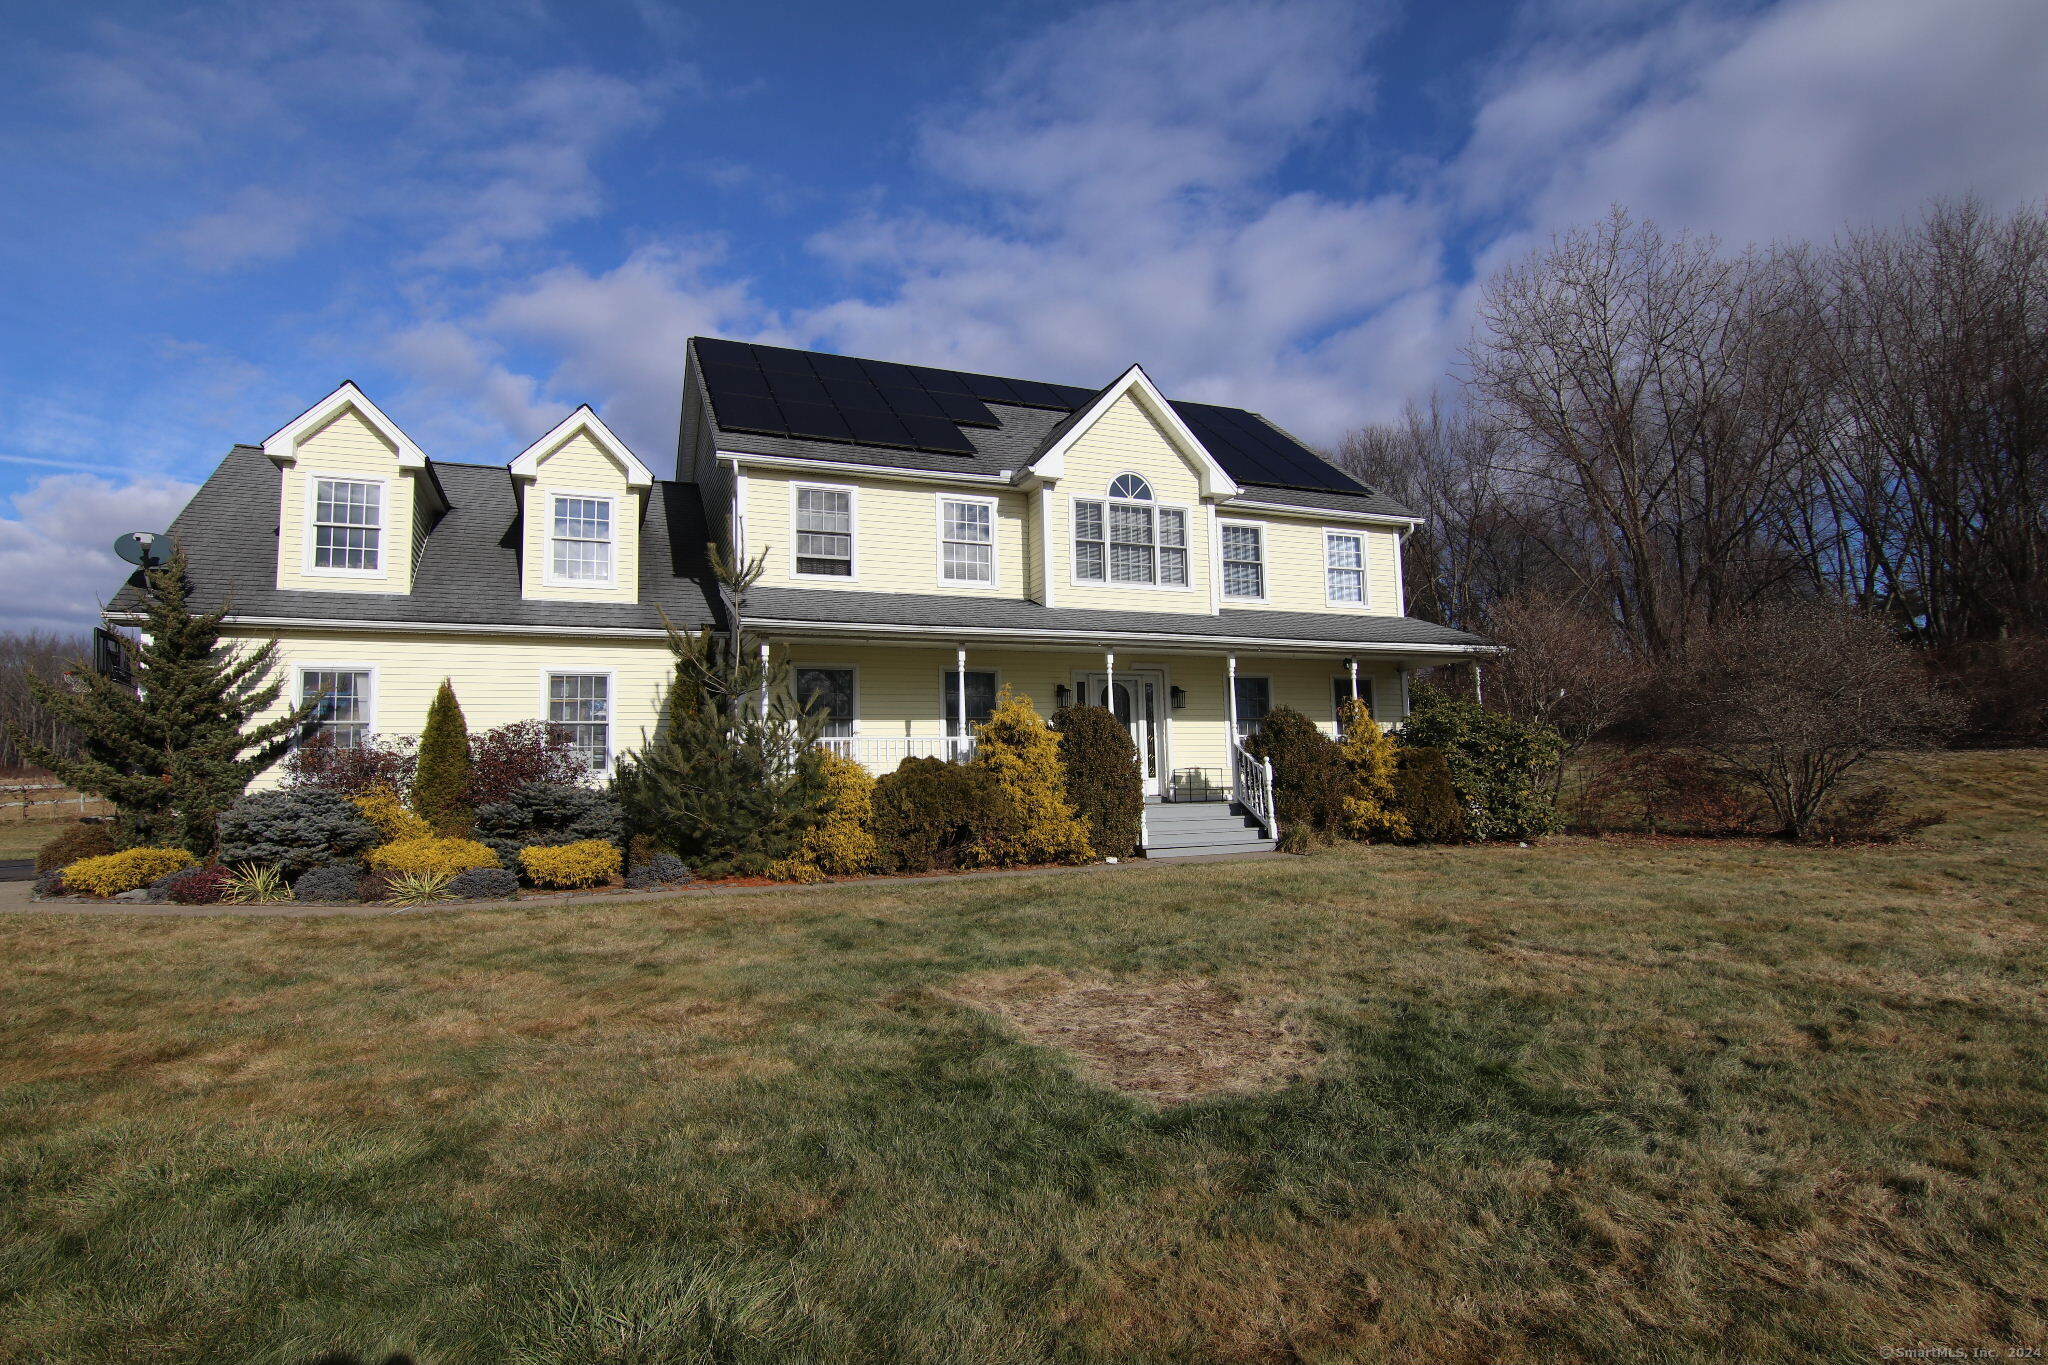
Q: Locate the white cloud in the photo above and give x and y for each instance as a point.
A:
(56, 550)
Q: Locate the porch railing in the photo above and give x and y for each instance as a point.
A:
(1253, 786)
(881, 753)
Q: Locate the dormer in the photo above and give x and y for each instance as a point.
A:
(582, 497)
(356, 498)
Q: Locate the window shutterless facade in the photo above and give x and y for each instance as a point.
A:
(830, 690)
(967, 541)
(581, 703)
(345, 696)
(348, 526)
(1126, 539)
(580, 539)
(981, 699)
(1344, 567)
(1244, 560)
(1254, 704)
(823, 522)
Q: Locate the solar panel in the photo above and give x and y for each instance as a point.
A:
(1251, 451)
(939, 381)
(936, 433)
(797, 388)
(878, 428)
(965, 409)
(913, 402)
(741, 413)
(847, 394)
(710, 349)
(746, 379)
(888, 374)
(782, 360)
(990, 389)
(837, 367)
(817, 421)
(1038, 395)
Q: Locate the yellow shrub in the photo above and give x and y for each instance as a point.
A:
(1036, 822)
(583, 863)
(1369, 753)
(431, 854)
(382, 808)
(112, 873)
(843, 842)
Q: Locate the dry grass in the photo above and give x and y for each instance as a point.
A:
(1582, 1102)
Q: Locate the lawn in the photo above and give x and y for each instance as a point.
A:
(1591, 1101)
(21, 838)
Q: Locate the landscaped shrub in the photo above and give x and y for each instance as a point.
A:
(51, 883)
(373, 761)
(129, 870)
(1370, 756)
(1499, 765)
(1103, 783)
(440, 785)
(1658, 790)
(484, 884)
(418, 888)
(342, 882)
(191, 886)
(257, 884)
(842, 843)
(544, 813)
(382, 807)
(1311, 784)
(1428, 799)
(295, 831)
(1033, 820)
(526, 753)
(584, 863)
(929, 814)
(431, 855)
(659, 869)
(67, 846)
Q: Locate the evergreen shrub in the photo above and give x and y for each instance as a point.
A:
(67, 846)
(1370, 756)
(1102, 779)
(296, 830)
(659, 869)
(192, 886)
(1498, 764)
(547, 813)
(1428, 799)
(586, 862)
(338, 882)
(129, 870)
(1311, 784)
(929, 814)
(430, 856)
(383, 807)
(440, 786)
(1033, 822)
(842, 843)
(50, 883)
(484, 884)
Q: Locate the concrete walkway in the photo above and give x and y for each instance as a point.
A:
(18, 897)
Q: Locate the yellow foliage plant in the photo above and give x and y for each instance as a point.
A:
(129, 870)
(431, 854)
(586, 862)
(382, 807)
(842, 843)
(1036, 822)
(1372, 812)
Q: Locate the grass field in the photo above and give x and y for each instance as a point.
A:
(1584, 1102)
(21, 838)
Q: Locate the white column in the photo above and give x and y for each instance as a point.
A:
(1230, 698)
(1478, 685)
(1403, 673)
(764, 680)
(960, 691)
(1109, 681)
(1352, 664)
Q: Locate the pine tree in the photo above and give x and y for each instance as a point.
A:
(1035, 821)
(180, 748)
(440, 784)
(1371, 810)
(732, 777)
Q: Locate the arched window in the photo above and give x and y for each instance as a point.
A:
(1130, 488)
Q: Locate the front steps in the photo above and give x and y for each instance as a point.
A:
(1183, 829)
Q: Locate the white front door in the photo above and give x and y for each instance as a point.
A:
(1139, 700)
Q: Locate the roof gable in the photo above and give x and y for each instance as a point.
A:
(1050, 462)
(283, 445)
(586, 421)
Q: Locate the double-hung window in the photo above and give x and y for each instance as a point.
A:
(824, 532)
(580, 540)
(1344, 566)
(829, 690)
(581, 704)
(1126, 538)
(348, 525)
(981, 700)
(967, 541)
(1254, 704)
(1244, 560)
(343, 698)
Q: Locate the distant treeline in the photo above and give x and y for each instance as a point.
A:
(45, 654)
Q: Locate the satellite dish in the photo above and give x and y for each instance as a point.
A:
(139, 547)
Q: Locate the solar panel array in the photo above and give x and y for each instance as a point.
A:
(775, 391)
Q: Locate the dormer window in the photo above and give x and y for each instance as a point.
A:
(580, 541)
(348, 526)
(1125, 539)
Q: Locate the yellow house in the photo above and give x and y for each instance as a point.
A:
(928, 536)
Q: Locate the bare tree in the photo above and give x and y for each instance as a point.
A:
(1565, 666)
(39, 654)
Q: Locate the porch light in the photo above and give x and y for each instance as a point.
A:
(1059, 694)
(1180, 697)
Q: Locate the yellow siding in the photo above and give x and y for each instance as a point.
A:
(896, 534)
(1294, 566)
(579, 466)
(1125, 440)
(347, 447)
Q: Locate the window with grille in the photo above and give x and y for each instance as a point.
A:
(343, 697)
(581, 541)
(981, 700)
(829, 690)
(1340, 692)
(967, 533)
(1244, 561)
(1344, 566)
(581, 704)
(348, 525)
(824, 532)
(1254, 704)
(1130, 542)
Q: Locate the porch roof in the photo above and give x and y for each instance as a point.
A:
(827, 610)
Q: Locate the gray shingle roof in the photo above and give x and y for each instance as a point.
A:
(468, 573)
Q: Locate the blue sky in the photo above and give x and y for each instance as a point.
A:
(488, 213)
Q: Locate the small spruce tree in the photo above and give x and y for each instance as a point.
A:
(179, 748)
(1370, 810)
(842, 843)
(440, 784)
(1035, 823)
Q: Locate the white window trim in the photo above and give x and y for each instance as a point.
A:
(309, 493)
(994, 582)
(1231, 700)
(1073, 560)
(1265, 593)
(370, 704)
(611, 693)
(852, 492)
(949, 685)
(548, 576)
(1364, 601)
(838, 668)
